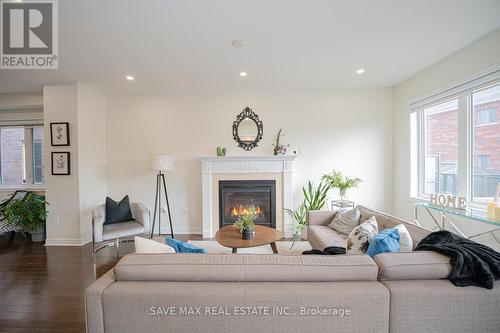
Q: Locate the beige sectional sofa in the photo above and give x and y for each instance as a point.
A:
(219, 287)
(320, 235)
(393, 292)
(422, 299)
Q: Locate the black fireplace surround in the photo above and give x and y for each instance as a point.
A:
(237, 195)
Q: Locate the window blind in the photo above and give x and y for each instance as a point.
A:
(21, 117)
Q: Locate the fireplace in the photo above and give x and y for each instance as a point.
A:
(236, 196)
(216, 169)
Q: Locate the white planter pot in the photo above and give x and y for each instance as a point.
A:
(37, 235)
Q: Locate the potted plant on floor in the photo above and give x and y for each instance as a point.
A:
(28, 213)
(246, 222)
(314, 199)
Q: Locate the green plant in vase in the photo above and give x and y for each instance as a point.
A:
(279, 148)
(343, 183)
(221, 151)
(314, 199)
(28, 213)
(246, 222)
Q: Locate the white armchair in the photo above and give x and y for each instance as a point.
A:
(111, 234)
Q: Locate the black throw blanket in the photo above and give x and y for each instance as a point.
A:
(471, 263)
(330, 250)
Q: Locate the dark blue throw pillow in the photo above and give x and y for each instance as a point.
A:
(183, 247)
(117, 212)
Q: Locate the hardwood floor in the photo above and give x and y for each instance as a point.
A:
(41, 288)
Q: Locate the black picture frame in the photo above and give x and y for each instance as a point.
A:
(247, 113)
(67, 155)
(66, 142)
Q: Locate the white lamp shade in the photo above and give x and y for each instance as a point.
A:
(161, 162)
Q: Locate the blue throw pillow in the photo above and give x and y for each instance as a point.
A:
(183, 247)
(385, 241)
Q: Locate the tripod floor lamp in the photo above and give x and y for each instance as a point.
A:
(161, 163)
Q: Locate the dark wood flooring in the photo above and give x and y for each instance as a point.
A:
(41, 288)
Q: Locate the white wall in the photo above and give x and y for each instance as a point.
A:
(350, 130)
(21, 101)
(62, 192)
(71, 198)
(471, 59)
(91, 154)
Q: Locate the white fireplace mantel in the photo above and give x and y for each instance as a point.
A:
(241, 167)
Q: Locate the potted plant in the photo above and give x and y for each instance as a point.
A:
(279, 148)
(28, 213)
(246, 222)
(314, 199)
(336, 180)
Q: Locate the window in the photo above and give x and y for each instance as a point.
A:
(38, 156)
(455, 142)
(12, 156)
(21, 156)
(485, 143)
(484, 161)
(486, 117)
(441, 148)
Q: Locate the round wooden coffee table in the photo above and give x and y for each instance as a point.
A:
(230, 236)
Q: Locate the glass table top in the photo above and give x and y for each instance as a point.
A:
(470, 213)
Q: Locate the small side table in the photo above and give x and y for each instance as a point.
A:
(342, 204)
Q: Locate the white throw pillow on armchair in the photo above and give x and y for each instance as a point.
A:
(145, 245)
(346, 220)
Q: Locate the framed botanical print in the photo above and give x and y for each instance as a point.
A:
(59, 134)
(61, 163)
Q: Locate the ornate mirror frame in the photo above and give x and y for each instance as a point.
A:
(248, 113)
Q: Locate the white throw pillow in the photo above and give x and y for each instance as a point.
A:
(360, 237)
(405, 241)
(345, 220)
(145, 245)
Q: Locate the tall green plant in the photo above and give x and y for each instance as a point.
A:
(336, 180)
(28, 213)
(278, 136)
(314, 199)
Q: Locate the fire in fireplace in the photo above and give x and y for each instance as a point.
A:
(241, 210)
(236, 196)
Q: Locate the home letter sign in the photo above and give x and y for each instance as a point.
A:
(448, 201)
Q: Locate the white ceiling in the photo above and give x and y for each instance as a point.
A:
(185, 45)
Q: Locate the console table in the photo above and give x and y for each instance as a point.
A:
(447, 214)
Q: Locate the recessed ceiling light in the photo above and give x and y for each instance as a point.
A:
(237, 43)
(129, 77)
(360, 71)
(243, 74)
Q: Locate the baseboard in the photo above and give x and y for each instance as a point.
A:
(182, 231)
(86, 239)
(69, 241)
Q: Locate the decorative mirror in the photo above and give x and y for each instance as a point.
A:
(247, 129)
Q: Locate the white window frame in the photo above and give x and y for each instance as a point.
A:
(462, 91)
(28, 159)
